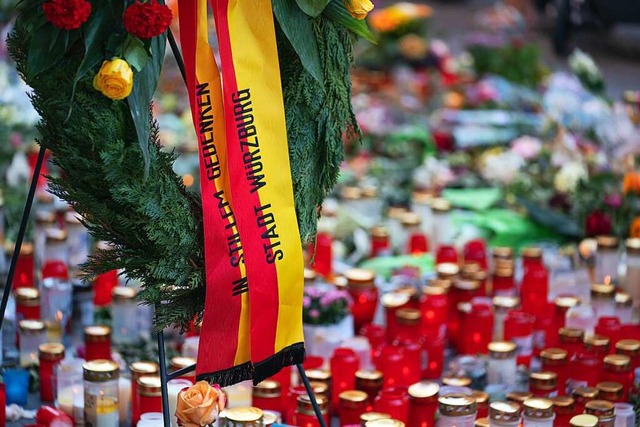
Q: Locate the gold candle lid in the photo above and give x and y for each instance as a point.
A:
(384, 422)
(56, 235)
(351, 193)
(309, 275)
(395, 212)
(481, 397)
(469, 268)
(422, 198)
(100, 370)
(467, 285)
(149, 385)
(440, 205)
(123, 293)
(447, 270)
(584, 420)
(554, 354)
(538, 408)
(623, 299)
(438, 282)
(51, 351)
(543, 380)
(371, 416)
(633, 245)
(519, 396)
(566, 301)
(31, 325)
(505, 302)
(319, 389)
(319, 375)
(531, 253)
(607, 242)
(180, 362)
(455, 405)
(502, 349)
(571, 334)
(142, 368)
(585, 392)
(609, 390)
(243, 415)
(410, 219)
(267, 388)
(456, 381)
(599, 408)
(408, 316)
(27, 297)
(424, 390)
(602, 290)
(502, 252)
(503, 271)
(353, 398)
(97, 333)
(435, 289)
(369, 192)
(617, 362)
(306, 408)
(372, 378)
(597, 342)
(380, 231)
(481, 422)
(563, 404)
(394, 299)
(504, 411)
(359, 277)
(628, 347)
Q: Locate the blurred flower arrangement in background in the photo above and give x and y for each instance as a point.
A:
(325, 306)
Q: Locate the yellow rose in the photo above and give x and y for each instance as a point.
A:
(115, 79)
(358, 8)
(199, 405)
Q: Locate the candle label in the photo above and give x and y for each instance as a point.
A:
(101, 411)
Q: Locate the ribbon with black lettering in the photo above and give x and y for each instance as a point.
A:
(261, 185)
(224, 349)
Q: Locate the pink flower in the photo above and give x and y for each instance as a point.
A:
(314, 314)
(527, 147)
(306, 302)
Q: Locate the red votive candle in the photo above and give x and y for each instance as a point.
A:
(585, 370)
(305, 416)
(502, 281)
(380, 241)
(482, 403)
(631, 348)
(610, 391)
(518, 328)
(25, 267)
(562, 304)
(434, 306)
(534, 289)
(545, 333)
(617, 368)
(418, 244)
(555, 360)
(408, 324)
(323, 254)
(610, 327)
(423, 404)
(49, 355)
(352, 404)
(446, 254)
(267, 395)
(543, 384)
(393, 401)
(3, 405)
(344, 365)
(49, 416)
(597, 345)
(390, 361)
(103, 286)
(476, 328)
(361, 286)
(531, 257)
(563, 407)
(581, 396)
(375, 334)
(27, 304)
(434, 348)
(97, 342)
(413, 359)
(475, 250)
(138, 370)
(149, 394)
(292, 402)
(370, 382)
(55, 269)
(571, 340)
(392, 302)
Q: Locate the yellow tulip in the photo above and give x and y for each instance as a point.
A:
(115, 79)
(358, 8)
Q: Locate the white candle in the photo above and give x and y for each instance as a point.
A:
(239, 395)
(71, 402)
(124, 397)
(173, 388)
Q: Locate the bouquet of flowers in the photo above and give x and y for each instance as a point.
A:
(325, 306)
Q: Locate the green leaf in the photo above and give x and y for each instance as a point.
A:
(144, 86)
(135, 54)
(336, 11)
(556, 221)
(312, 7)
(45, 50)
(296, 25)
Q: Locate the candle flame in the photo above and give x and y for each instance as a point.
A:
(59, 316)
(607, 280)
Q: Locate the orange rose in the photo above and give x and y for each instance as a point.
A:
(634, 229)
(631, 183)
(358, 8)
(199, 405)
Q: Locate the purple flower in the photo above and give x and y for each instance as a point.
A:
(306, 302)
(614, 200)
(314, 314)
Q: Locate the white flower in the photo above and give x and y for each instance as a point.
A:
(581, 62)
(568, 177)
(528, 147)
(433, 173)
(502, 167)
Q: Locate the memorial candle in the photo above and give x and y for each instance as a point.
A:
(25, 267)
(267, 395)
(139, 369)
(97, 341)
(392, 302)
(611, 391)
(456, 410)
(27, 304)
(617, 368)
(393, 401)
(344, 365)
(361, 286)
(631, 348)
(370, 382)
(555, 360)
(563, 406)
(49, 355)
(380, 244)
(423, 404)
(101, 393)
(149, 394)
(305, 416)
(352, 404)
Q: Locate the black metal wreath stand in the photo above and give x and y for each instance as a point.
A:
(165, 376)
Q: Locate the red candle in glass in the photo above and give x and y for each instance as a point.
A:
(464, 290)
(531, 256)
(418, 244)
(49, 355)
(571, 340)
(617, 368)
(25, 267)
(103, 286)
(423, 404)
(361, 286)
(562, 304)
(313, 362)
(518, 328)
(597, 345)
(3, 405)
(27, 304)
(370, 382)
(582, 395)
(305, 416)
(446, 254)
(545, 333)
(380, 241)
(434, 306)
(97, 342)
(292, 402)
(631, 348)
(323, 254)
(392, 302)
(407, 324)
(555, 360)
(352, 404)
(393, 401)
(49, 416)
(434, 348)
(610, 327)
(55, 269)
(390, 361)
(476, 328)
(563, 407)
(584, 370)
(413, 359)
(344, 365)
(534, 289)
(610, 391)
(475, 250)
(267, 395)
(482, 403)
(138, 370)
(149, 394)
(284, 378)
(543, 384)
(502, 281)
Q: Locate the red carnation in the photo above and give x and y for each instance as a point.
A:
(597, 223)
(67, 14)
(146, 20)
